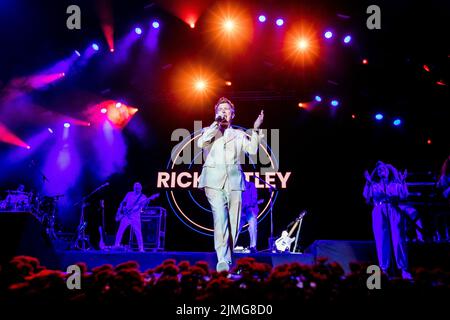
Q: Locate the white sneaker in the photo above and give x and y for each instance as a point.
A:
(222, 266)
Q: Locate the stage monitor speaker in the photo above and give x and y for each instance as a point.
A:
(344, 252)
(22, 234)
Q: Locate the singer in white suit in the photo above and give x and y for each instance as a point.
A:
(222, 177)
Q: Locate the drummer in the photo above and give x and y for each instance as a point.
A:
(18, 198)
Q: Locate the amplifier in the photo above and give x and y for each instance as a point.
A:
(153, 225)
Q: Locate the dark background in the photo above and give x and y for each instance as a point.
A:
(326, 150)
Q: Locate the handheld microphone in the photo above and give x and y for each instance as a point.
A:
(219, 118)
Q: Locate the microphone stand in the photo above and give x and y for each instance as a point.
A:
(271, 238)
(81, 231)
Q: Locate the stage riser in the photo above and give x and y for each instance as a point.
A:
(150, 260)
(22, 234)
(427, 255)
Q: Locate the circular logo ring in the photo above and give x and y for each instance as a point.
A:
(205, 229)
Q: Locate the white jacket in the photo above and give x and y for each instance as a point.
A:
(222, 154)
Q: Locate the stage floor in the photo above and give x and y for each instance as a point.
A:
(148, 260)
(343, 252)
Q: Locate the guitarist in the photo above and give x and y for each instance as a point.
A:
(129, 214)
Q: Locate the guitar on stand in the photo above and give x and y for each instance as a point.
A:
(81, 241)
(283, 244)
(101, 243)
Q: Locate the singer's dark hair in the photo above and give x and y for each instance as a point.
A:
(224, 100)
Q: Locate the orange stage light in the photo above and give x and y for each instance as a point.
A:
(307, 106)
(196, 84)
(230, 27)
(200, 85)
(301, 45)
(118, 113)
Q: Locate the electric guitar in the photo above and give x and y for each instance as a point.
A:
(284, 242)
(124, 212)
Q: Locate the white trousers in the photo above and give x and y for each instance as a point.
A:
(226, 209)
(135, 225)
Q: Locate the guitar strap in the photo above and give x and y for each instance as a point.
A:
(136, 201)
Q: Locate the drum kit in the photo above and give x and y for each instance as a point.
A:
(17, 201)
(44, 208)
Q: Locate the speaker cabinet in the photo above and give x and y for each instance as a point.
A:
(153, 225)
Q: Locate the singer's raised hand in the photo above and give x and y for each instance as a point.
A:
(259, 120)
(214, 125)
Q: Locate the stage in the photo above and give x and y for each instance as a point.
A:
(148, 260)
(30, 239)
(343, 252)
